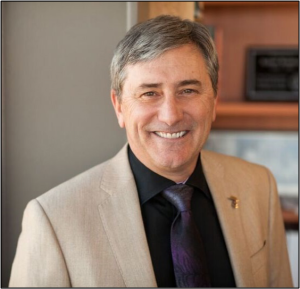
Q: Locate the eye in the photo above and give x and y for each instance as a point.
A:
(149, 94)
(189, 91)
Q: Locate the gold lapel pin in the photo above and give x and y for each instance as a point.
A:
(234, 202)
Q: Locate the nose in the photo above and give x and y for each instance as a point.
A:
(170, 111)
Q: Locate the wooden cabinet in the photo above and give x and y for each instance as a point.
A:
(238, 26)
(256, 116)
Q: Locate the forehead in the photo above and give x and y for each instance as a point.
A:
(174, 65)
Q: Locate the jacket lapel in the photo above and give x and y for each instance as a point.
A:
(222, 188)
(122, 220)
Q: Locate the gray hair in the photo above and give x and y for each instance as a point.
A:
(148, 40)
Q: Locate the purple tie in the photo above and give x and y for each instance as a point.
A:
(186, 245)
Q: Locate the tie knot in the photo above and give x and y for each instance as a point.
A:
(180, 196)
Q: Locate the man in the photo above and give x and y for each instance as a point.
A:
(162, 212)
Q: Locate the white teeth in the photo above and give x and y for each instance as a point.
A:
(171, 135)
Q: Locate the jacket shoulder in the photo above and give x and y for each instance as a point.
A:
(80, 187)
(230, 161)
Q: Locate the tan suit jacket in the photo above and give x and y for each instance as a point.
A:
(88, 231)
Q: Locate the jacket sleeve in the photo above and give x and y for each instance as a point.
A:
(279, 264)
(39, 261)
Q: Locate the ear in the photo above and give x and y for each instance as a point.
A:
(216, 100)
(118, 108)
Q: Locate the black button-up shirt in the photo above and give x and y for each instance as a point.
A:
(158, 215)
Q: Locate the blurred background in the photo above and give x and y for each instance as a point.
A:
(57, 119)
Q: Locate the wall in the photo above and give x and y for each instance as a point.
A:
(57, 116)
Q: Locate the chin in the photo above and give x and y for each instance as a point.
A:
(171, 162)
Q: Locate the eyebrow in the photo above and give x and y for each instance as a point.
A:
(189, 82)
(178, 84)
(150, 85)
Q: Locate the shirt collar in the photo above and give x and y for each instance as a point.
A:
(150, 183)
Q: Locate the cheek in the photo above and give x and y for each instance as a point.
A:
(134, 120)
(203, 115)
(208, 109)
(141, 114)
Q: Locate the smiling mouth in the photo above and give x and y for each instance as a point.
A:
(171, 135)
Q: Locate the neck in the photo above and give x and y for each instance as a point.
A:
(176, 177)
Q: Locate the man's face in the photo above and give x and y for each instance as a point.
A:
(167, 107)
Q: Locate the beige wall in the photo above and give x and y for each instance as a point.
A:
(57, 117)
